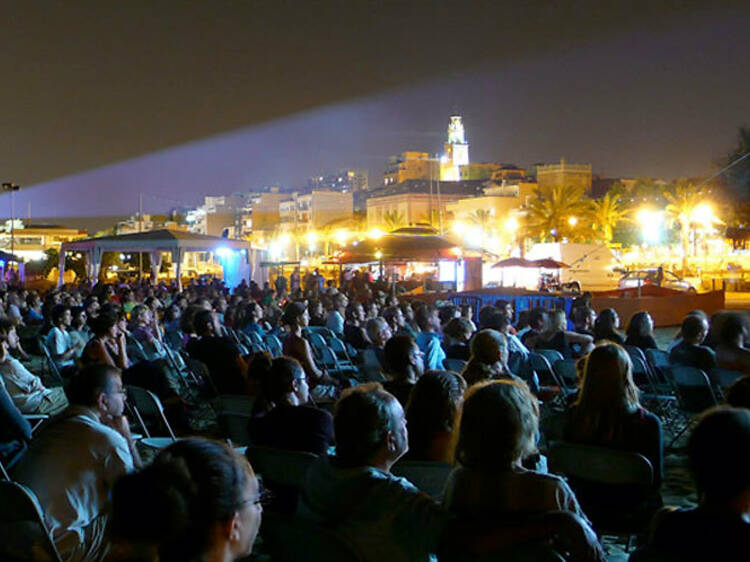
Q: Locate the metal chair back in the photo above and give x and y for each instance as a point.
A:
(23, 532)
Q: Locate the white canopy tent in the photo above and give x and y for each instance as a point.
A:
(155, 242)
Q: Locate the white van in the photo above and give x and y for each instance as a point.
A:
(592, 266)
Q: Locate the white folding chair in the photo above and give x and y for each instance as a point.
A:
(23, 532)
(146, 403)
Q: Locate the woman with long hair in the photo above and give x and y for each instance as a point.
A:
(198, 500)
(640, 331)
(606, 325)
(498, 428)
(608, 412)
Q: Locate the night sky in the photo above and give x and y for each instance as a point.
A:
(103, 100)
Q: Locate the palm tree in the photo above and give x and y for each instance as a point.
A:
(681, 202)
(393, 220)
(556, 212)
(606, 214)
(482, 218)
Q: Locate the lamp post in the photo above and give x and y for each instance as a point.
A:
(12, 187)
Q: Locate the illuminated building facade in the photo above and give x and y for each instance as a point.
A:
(563, 174)
(31, 241)
(411, 165)
(456, 151)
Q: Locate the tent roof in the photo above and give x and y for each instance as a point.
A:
(164, 240)
(398, 248)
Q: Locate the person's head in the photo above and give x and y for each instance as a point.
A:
(427, 318)
(458, 329)
(197, 500)
(505, 308)
(78, 317)
(738, 393)
(558, 322)
(467, 312)
(641, 325)
(403, 359)
(694, 329)
(140, 315)
(295, 315)
(718, 450)
(104, 325)
(98, 387)
(448, 313)
(204, 323)
(8, 334)
(253, 312)
(61, 316)
(395, 318)
(583, 317)
(489, 347)
(370, 427)
(537, 319)
(284, 380)
(498, 426)
(407, 310)
(607, 322)
(340, 301)
(355, 312)
(91, 304)
(608, 381)
(433, 404)
(733, 329)
(378, 331)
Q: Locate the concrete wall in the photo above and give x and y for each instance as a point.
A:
(666, 311)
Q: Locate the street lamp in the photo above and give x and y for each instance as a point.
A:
(12, 187)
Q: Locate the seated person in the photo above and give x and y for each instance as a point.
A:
(404, 364)
(27, 391)
(738, 393)
(730, 351)
(354, 327)
(153, 510)
(537, 321)
(559, 338)
(62, 349)
(606, 325)
(290, 423)
(719, 528)
(395, 318)
(253, 317)
(226, 366)
(498, 428)
(79, 330)
(489, 358)
(428, 338)
(15, 430)
(456, 336)
(373, 358)
(690, 352)
(608, 414)
(145, 329)
(640, 332)
(93, 439)
(431, 415)
(385, 517)
(584, 318)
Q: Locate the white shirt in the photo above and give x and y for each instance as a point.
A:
(71, 467)
(58, 342)
(25, 388)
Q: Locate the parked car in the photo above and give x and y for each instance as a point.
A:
(640, 277)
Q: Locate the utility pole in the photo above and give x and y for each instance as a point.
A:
(440, 208)
(12, 187)
(140, 229)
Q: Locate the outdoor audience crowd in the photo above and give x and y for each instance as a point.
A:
(366, 381)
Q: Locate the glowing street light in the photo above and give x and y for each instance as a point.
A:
(572, 221)
(511, 225)
(375, 233)
(652, 225)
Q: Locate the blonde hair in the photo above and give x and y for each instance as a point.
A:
(498, 424)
